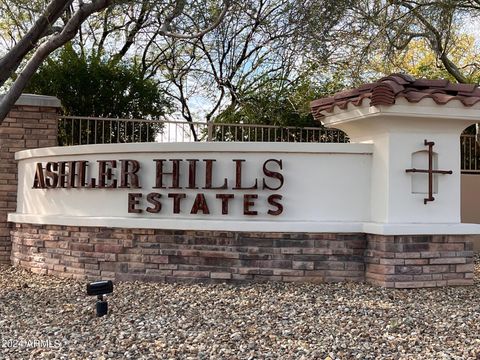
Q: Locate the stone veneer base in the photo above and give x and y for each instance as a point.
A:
(225, 256)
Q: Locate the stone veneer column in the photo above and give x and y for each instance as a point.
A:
(32, 123)
(413, 261)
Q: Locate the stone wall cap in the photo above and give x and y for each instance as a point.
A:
(248, 225)
(37, 100)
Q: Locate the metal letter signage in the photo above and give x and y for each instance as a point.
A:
(171, 174)
(430, 171)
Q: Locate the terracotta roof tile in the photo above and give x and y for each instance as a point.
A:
(394, 86)
(386, 90)
(427, 83)
(461, 88)
(470, 101)
(476, 92)
(347, 94)
(402, 79)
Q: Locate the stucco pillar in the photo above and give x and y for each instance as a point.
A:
(415, 236)
(398, 133)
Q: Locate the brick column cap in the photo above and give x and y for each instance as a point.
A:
(37, 100)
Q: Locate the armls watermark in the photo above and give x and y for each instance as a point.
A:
(33, 343)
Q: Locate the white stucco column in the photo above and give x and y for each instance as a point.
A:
(398, 133)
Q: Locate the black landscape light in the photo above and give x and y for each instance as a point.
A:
(100, 288)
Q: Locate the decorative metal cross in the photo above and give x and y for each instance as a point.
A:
(430, 171)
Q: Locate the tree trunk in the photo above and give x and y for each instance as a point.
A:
(56, 41)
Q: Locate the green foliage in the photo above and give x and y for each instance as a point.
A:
(282, 106)
(420, 61)
(92, 87)
(95, 88)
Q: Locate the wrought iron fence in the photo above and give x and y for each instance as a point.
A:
(470, 154)
(272, 133)
(75, 130)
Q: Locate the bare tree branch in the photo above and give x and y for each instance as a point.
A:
(10, 62)
(437, 45)
(180, 4)
(132, 33)
(68, 32)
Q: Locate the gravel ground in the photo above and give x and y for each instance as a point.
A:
(49, 318)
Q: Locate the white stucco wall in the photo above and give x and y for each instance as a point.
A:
(356, 187)
(326, 187)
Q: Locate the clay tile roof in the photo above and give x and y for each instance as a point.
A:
(386, 90)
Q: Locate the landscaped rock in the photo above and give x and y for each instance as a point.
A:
(43, 317)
